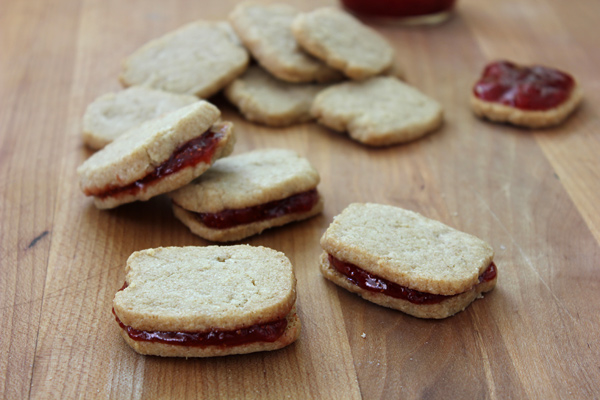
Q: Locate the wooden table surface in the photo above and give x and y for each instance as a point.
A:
(533, 195)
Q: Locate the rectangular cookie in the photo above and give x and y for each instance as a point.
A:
(207, 301)
(399, 259)
(245, 194)
(157, 156)
(265, 99)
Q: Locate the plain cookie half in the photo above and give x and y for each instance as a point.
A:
(343, 42)
(267, 100)
(378, 111)
(266, 31)
(199, 58)
(112, 114)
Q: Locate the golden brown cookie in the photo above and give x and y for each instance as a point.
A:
(343, 42)
(378, 111)
(267, 100)
(113, 114)
(402, 260)
(207, 301)
(532, 97)
(245, 194)
(199, 58)
(266, 31)
(157, 156)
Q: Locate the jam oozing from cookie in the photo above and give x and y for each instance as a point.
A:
(374, 283)
(268, 332)
(189, 154)
(526, 88)
(298, 203)
(398, 8)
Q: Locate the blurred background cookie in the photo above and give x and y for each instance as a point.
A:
(266, 31)
(110, 115)
(199, 58)
(265, 99)
(533, 97)
(378, 111)
(343, 42)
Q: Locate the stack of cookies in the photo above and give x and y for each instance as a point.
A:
(302, 61)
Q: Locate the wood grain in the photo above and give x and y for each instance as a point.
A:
(531, 194)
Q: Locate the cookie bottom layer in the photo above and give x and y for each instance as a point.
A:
(498, 112)
(443, 309)
(241, 231)
(289, 336)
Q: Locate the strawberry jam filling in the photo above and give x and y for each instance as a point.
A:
(373, 283)
(268, 332)
(298, 203)
(526, 88)
(189, 154)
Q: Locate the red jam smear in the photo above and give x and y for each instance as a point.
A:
(268, 332)
(298, 203)
(374, 283)
(398, 8)
(526, 88)
(189, 154)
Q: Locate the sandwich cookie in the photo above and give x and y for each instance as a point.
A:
(200, 58)
(533, 97)
(399, 259)
(378, 111)
(112, 114)
(266, 31)
(343, 42)
(264, 99)
(207, 301)
(157, 156)
(245, 194)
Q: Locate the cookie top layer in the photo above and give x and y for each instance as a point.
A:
(246, 180)
(270, 101)
(343, 42)
(377, 111)
(201, 288)
(137, 152)
(112, 114)
(199, 58)
(407, 248)
(266, 31)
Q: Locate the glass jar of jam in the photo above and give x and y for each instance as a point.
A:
(409, 12)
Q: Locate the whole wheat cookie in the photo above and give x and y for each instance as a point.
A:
(533, 97)
(400, 259)
(207, 301)
(343, 42)
(378, 111)
(264, 99)
(266, 31)
(112, 114)
(245, 194)
(199, 58)
(157, 156)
